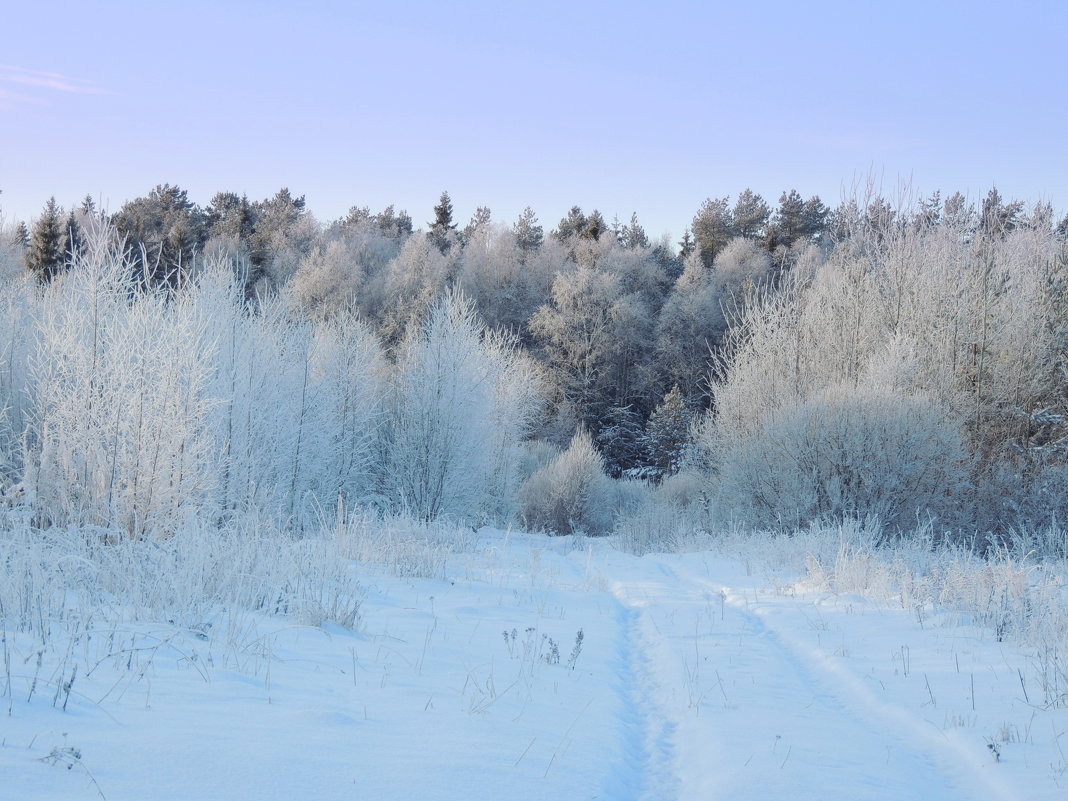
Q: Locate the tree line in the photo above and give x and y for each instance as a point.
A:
(938, 324)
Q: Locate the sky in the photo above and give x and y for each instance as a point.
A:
(645, 108)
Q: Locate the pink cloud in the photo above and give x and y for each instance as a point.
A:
(36, 79)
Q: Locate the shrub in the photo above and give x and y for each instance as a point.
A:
(571, 493)
(843, 452)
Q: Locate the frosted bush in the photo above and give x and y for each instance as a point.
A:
(571, 493)
(843, 452)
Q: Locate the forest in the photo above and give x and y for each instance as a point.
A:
(902, 362)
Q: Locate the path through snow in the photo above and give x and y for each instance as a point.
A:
(735, 707)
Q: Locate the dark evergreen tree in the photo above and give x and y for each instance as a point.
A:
(162, 231)
(789, 223)
(633, 235)
(398, 226)
(686, 245)
(480, 219)
(750, 215)
(959, 213)
(572, 225)
(813, 218)
(22, 234)
(998, 217)
(528, 234)
(88, 207)
(667, 434)
(229, 215)
(713, 228)
(595, 226)
(620, 439)
(929, 214)
(277, 228)
(44, 254)
(442, 225)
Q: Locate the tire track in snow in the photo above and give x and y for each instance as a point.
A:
(968, 767)
(724, 707)
(649, 757)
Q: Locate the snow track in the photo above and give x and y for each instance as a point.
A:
(730, 704)
(692, 680)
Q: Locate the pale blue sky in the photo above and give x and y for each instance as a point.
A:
(647, 107)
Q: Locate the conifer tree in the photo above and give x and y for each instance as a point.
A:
(571, 225)
(442, 224)
(394, 224)
(22, 234)
(633, 235)
(686, 245)
(667, 433)
(480, 219)
(750, 215)
(528, 234)
(789, 223)
(712, 228)
(44, 256)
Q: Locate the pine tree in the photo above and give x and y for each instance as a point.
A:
(44, 256)
(789, 223)
(712, 228)
(528, 234)
(813, 218)
(480, 219)
(571, 225)
(595, 226)
(999, 218)
(633, 235)
(667, 434)
(686, 245)
(442, 226)
(392, 224)
(620, 439)
(750, 215)
(22, 234)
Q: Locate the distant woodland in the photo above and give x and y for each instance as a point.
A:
(898, 361)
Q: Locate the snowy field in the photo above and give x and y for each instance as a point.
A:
(527, 667)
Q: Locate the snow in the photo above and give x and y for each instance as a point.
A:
(696, 679)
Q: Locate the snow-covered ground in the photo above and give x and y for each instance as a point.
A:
(541, 668)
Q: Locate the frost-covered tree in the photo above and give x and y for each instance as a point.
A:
(327, 279)
(399, 296)
(587, 331)
(633, 234)
(118, 435)
(284, 233)
(958, 326)
(857, 452)
(21, 237)
(667, 434)
(479, 220)
(505, 282)
(462, 400)
(695, 317)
